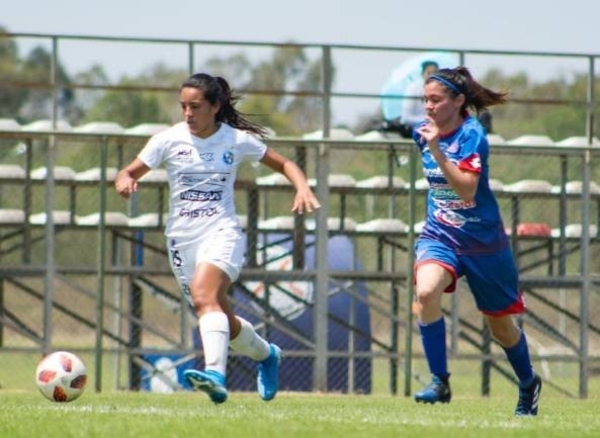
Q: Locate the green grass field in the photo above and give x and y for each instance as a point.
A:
(150, 415)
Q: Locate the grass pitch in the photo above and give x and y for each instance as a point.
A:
(150, 415)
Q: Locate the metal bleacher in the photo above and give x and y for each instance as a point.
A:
(21, 225)
(65, 235)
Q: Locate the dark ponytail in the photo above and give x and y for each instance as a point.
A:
(459, 81)
(217, 90)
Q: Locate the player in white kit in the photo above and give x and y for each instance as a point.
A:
(204, 238)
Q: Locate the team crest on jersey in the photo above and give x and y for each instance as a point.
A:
(453, 148)
(228, 157)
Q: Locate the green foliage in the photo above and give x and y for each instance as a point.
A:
(126, 108)
(131, 105)
(281, 91)
(289, 69)
(11, 98)
(260, 109)
(555, 108)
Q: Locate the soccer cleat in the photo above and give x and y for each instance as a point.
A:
(437, 391)
(210, 382)
(529, 398)
(267, 380)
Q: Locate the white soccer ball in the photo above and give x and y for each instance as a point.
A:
(61, 376)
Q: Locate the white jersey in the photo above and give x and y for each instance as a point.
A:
(202, 173)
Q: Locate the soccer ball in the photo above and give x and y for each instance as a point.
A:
(61, 376)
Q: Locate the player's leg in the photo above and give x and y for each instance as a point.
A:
(433, 276)
(249, 343)
(514, 342)
(494, 282)
(205, 275)
(208, 291)
(226, 252)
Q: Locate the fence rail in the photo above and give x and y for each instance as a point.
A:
(68, 261)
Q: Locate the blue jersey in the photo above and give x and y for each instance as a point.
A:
(466, 227)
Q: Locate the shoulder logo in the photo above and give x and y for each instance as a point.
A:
(475, 162)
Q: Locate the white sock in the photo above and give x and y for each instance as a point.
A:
(214, 331)
(249, 343)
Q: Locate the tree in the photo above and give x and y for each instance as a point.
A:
(127, 108)
(11, 97)
(289, 70)
(148, 98)
(555, 108)
(167, 81)
(307, 112)
(37, 69)
(236, 68)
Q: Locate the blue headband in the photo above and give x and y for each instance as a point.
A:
(446, 82)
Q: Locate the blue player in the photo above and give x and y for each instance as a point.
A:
(464, 234)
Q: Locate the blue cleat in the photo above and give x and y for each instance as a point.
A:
(210, 382)
(268, 374)
(437, 391)
(529, 399)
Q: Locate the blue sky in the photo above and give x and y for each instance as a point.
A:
(504, 25)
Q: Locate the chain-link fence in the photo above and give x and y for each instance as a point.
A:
(100, 285)
(84, 270)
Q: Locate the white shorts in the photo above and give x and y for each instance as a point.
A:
(225, 249)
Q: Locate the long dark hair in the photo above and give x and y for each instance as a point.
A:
(217, 90)
(459, 81)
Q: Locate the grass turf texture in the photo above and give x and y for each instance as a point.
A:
(135, 414)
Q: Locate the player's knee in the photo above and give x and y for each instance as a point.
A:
(505, 331)
(204, 300)
(427, 296)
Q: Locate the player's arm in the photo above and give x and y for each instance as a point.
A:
(464, 177)
(127, 178)
(305, 200)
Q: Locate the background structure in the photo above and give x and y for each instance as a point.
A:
(81, 269)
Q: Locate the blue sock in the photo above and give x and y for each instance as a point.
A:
(433, 337)
(518, 356)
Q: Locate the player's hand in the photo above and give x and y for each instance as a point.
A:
(429, 130)
(125, 185)
(305, 202)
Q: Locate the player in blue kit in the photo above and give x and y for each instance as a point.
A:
(464, 234)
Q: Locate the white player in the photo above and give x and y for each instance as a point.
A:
(204, 238)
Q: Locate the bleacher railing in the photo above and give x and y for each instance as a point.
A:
(119, 240)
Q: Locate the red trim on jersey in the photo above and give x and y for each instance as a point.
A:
(472, 163)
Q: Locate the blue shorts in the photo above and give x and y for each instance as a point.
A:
(492, 278)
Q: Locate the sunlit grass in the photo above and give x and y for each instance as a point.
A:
(130, 414)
